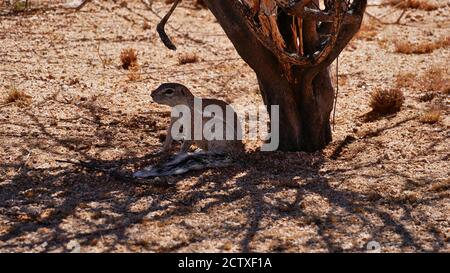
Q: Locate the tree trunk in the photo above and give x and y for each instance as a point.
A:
(304, 94)
(305, 109)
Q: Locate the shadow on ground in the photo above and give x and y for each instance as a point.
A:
(46, 207)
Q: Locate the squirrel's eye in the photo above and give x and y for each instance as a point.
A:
(169, 92)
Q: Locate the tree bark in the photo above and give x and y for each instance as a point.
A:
(305, 109)
(305, 94)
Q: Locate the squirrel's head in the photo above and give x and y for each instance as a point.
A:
(171, 94)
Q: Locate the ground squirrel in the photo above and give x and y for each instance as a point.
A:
(174, 95)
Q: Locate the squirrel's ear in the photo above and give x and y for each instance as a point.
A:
(183, 92)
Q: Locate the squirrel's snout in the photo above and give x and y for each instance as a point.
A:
(152, 94)
(155, 97)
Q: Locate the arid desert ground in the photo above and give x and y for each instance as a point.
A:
(65, 96)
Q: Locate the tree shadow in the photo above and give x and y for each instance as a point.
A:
(46, 207)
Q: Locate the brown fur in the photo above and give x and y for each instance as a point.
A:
(173, 94)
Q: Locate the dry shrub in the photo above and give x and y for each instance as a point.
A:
(427, 5)
(435, 79)
(227, 246)
(441, 186)
(431, 116)
(406, 47)
(406, 80)
(134, 73)
(386, 102)
(187, 58)
(146, 25)
(409, 197)
(445, 41)
(343, 80)
(17, 97)
(438, 80)
(128, 58)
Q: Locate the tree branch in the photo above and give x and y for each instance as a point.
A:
(160, 27)
(298, 9)
(344, 35)
(238, 22)
(338, 17)
(233, 19)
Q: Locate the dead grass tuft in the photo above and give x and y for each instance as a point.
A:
(343, 80)
(128, 58)
(441, 186)
(134, 73)
(17, 97)
(406, 47)
(427, 5)
(187, 58)
(431, 116)
(438, 80)
(445, 41)
(146, 25)
(405, 80)
(386, 102)
(434, 79)
(409, 197)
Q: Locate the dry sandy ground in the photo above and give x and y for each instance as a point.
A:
(384, 179)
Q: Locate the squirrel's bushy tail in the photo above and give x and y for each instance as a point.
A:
(185, 162)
